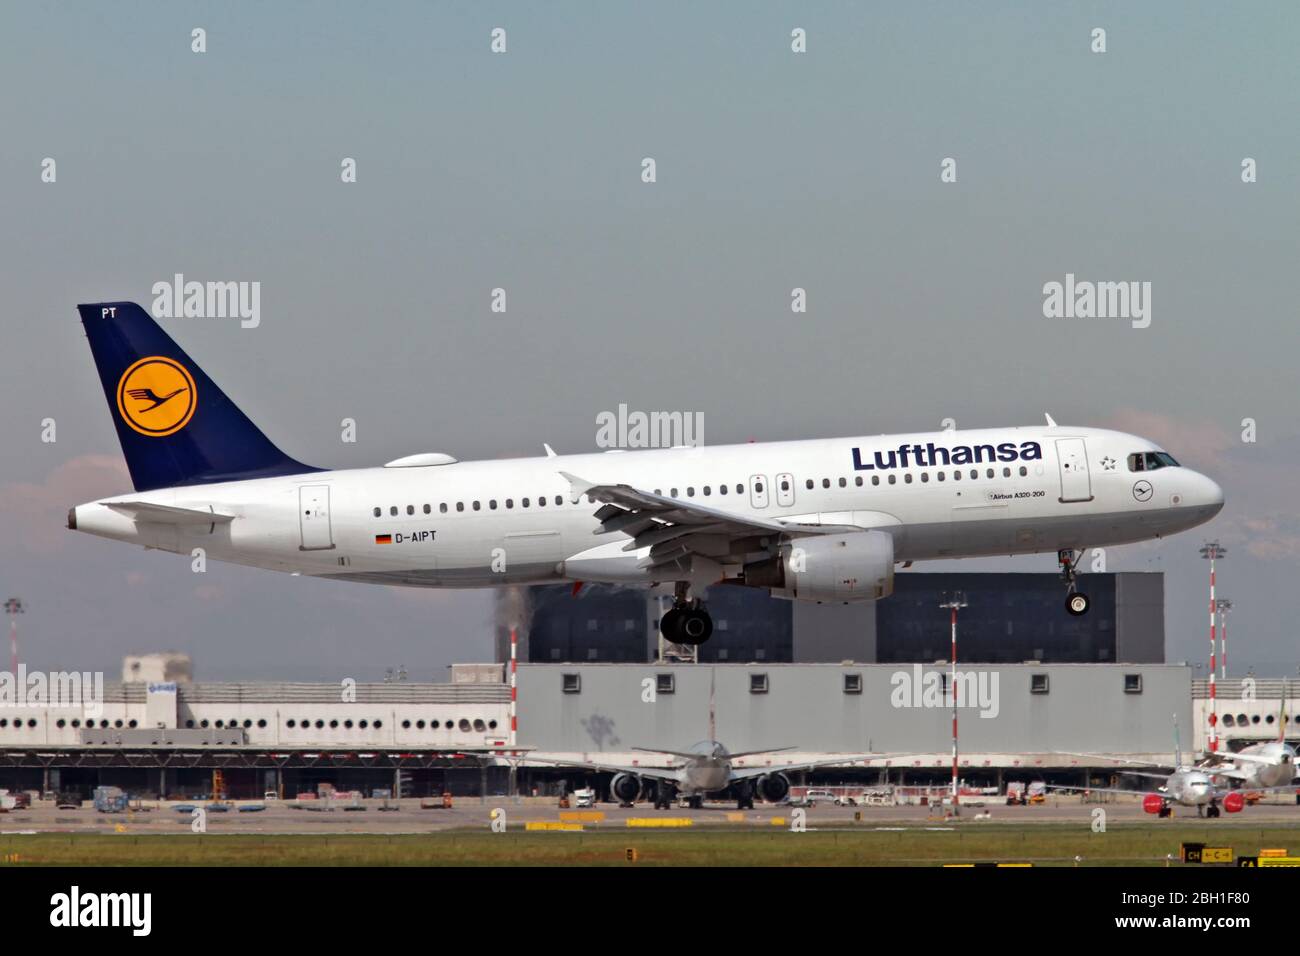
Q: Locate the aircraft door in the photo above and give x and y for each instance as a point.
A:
(314, 518)
(758, 491)
(785, 490)
(1072, 459)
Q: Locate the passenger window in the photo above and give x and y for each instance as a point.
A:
(427, 509)
(722, 489)
(974, 473)
(740, 489)
(492, 504)
(1023, 471)
(707, 492)
(460, 506)
(510, 502)
(476, 506)
(875, 479)
(672, 492)
(908, 478)
(393, 511)
(858, 481)
(941, 475)
(1006, 472)
(410, 509)
(893, 479)
(541, 502)
(956, 476)
(559, 499)
(990, 472)
(758, 487)
(925, 477)
(523, 503)
(442, 508)
(378, 512)
(690, 492)
(843, 483)
(807, 484)
(785, 485)
(826, 482)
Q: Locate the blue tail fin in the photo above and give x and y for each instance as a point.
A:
(176, 427)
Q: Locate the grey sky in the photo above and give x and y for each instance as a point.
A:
(521, 170)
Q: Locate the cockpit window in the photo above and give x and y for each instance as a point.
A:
(1150, 461)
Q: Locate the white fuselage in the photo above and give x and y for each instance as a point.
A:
(1275, 767)
(489, 523)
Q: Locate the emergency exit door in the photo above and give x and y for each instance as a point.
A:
(314, 518)
(1072, 458)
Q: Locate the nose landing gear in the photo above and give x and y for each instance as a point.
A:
(1076, 602)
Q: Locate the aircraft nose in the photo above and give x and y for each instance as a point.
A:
(1209, 495)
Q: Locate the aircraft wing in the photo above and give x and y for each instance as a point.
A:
(1217, 759)
(1131, 793)
(1114, 759)
(748, 773)
(675, 530)
(654, 773)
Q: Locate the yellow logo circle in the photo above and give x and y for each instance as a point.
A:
(155, 396)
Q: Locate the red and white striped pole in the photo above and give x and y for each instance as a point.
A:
(1213, 550)
(514, 690)
(958, 600)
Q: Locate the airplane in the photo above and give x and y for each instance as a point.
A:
(1262, 766)
(823, 520)
(1185, 785)
(705, 769)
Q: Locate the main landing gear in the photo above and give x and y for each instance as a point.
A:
(687, 622)
(1076, 602)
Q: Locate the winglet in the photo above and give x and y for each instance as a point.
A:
(550, 452)
(578, 485)
(1050, 423)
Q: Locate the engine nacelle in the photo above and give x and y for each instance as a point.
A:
(1153, 803)
(625, 787)
(772, 787)
(854, 566)
(1233, 802)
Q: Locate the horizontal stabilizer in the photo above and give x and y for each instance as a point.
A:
(166, 514)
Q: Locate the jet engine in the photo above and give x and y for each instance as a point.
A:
(1233, 802)
(773, 787)
(1153, 803)
(625, 787)
(855, 566)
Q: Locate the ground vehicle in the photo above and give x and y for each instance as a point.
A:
(813, 797)
(584, 798)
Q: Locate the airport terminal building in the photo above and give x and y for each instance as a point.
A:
(861, 695)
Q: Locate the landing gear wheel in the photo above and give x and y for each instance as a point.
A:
(670, 625)
(695, 627)
(1077, 603)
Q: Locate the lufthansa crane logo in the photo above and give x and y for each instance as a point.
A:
(155, 396)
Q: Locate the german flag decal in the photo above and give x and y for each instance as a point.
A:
(383, 539)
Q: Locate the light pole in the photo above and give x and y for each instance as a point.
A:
(1224, 606)
(14, 607)
(958, 600)
(1213, 551)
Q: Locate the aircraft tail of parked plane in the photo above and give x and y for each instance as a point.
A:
(175, 425)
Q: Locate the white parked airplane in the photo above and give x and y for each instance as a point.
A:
(1262, 766)
(822, 520)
